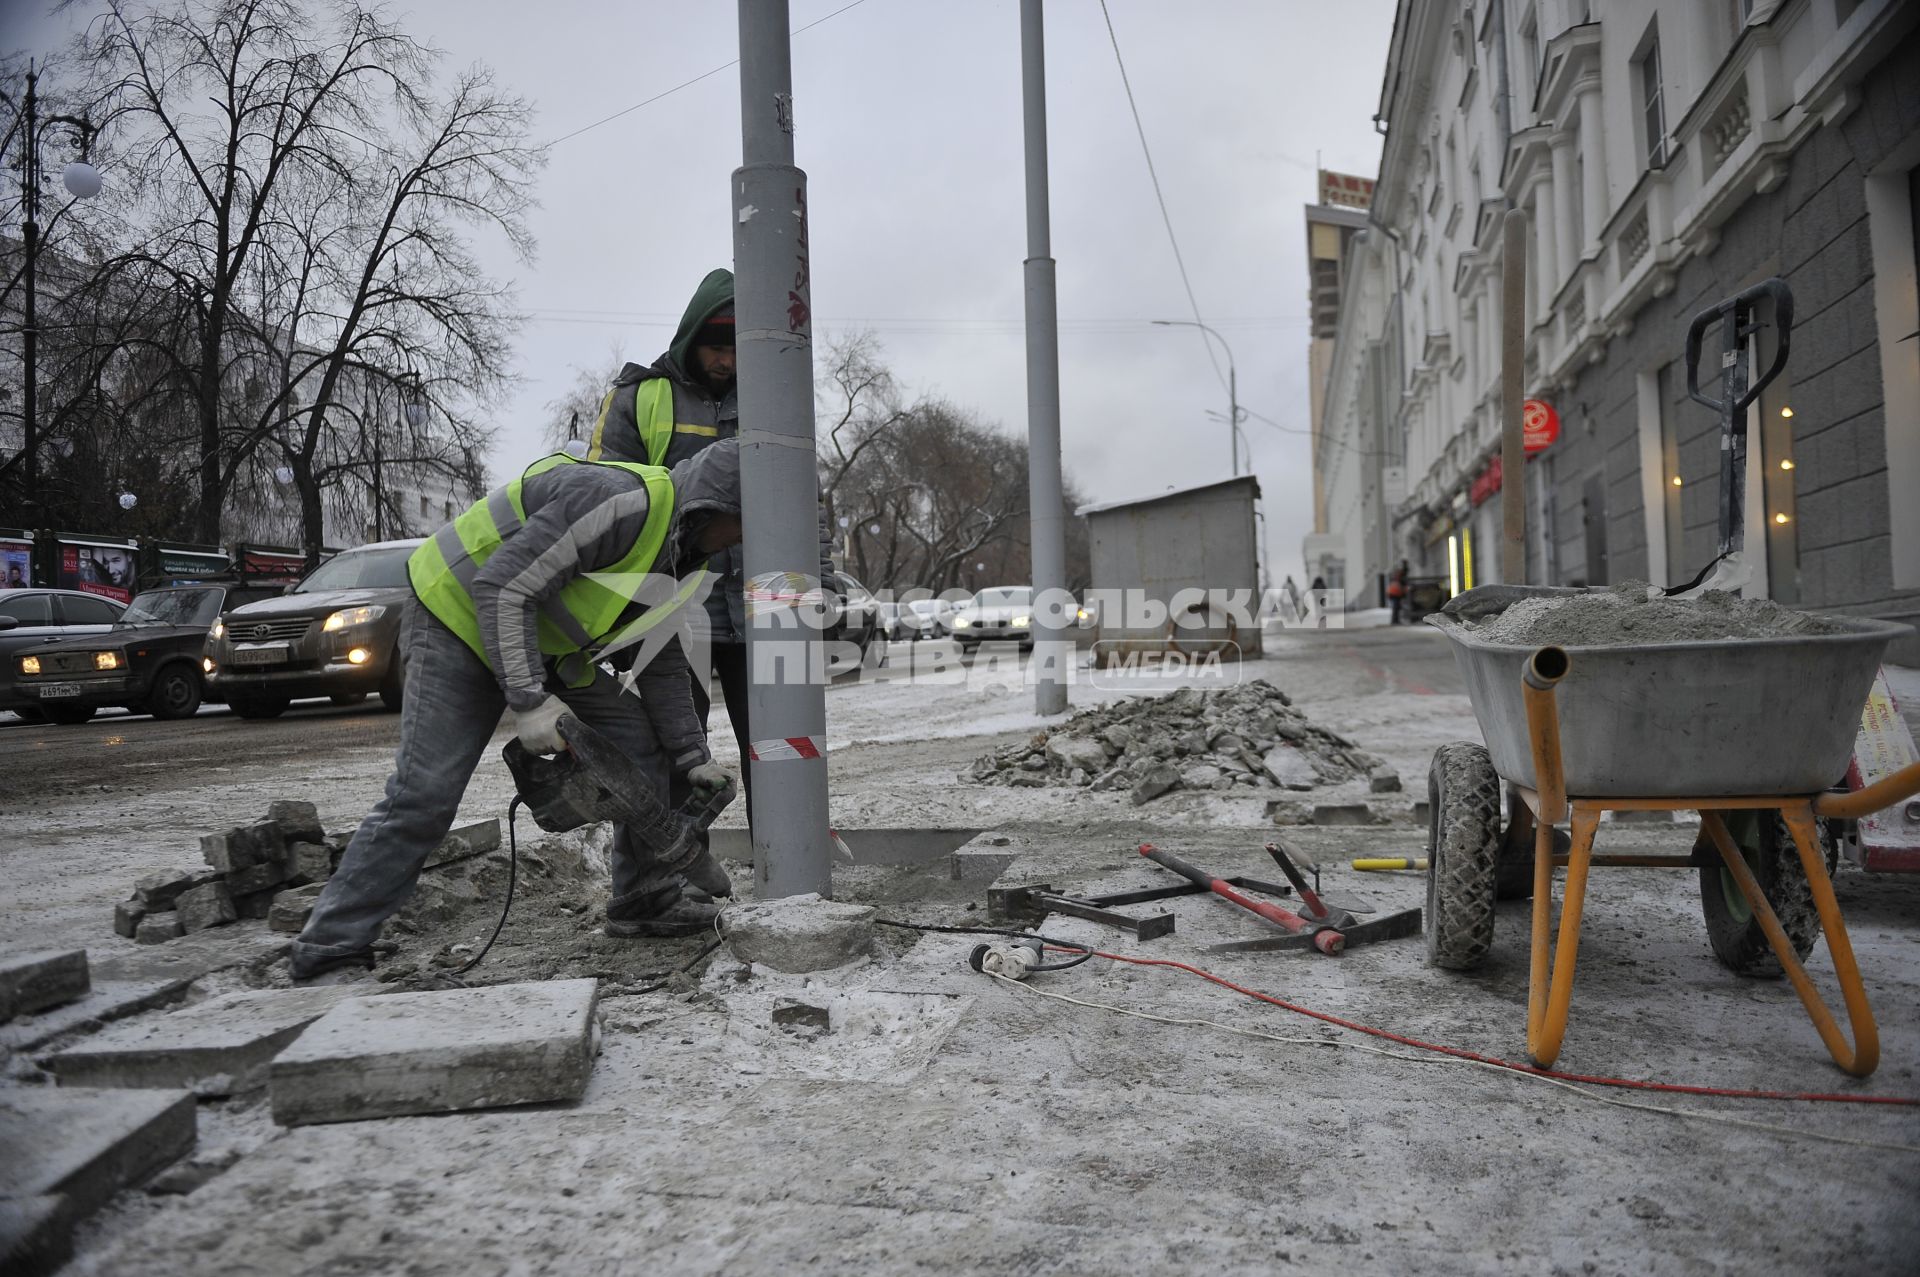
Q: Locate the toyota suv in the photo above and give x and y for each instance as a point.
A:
(335, 634)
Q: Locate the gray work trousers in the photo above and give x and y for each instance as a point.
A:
(453, 703)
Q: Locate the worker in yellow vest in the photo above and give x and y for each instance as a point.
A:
(513, 602)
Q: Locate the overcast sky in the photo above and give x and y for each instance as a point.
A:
(908, 125)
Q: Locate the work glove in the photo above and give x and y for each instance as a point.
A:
(711, 777)
(538, 729)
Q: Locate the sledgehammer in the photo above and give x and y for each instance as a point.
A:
(1325, 938)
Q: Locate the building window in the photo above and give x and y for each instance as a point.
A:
(1653, 111)
(1529, 50)
(425, 509)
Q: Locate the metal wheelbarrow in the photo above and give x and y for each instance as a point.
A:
(1757, 727)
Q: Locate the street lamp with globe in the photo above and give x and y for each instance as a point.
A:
(82, 181)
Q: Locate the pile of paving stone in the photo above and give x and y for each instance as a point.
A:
(272, 869)
(1248, 737)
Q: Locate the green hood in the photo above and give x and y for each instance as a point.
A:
(715, 291)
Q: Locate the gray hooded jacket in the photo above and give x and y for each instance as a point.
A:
(586, 518)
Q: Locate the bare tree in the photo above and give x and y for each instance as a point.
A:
(318, 266)
(572, 414)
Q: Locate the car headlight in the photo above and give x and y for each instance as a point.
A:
(219, 630)
(29, 665)
(1021, 622)
(961, 622)
(106, 660)
(354, 616)
(1081, 614)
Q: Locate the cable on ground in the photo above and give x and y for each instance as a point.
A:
(1494, 1061)
(1452, 1056)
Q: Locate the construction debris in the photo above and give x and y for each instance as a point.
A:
(85, 1146)
(799, 933)
(1235, 738)
(1632, 612)
(218, 1047)
(439, 1052)
(277, 864)
(36, 980)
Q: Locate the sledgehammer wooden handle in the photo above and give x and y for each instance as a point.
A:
(1325, 939)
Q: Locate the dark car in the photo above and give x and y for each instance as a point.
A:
(856, 618)
(149, 662)
(335, 634)
(32, 618)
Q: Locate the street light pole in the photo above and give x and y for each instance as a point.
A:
(84, 183)
(779, 479)
(1233, 386)
(1047, 519)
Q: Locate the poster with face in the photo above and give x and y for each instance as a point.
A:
(16, 565)
(106, 570)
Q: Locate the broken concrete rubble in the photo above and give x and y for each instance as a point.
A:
(126, 918)
(158, 928)
(37, 979)
(1245, 737)
(290, 908)
(36, 1235)
(157, 891)
(439, 1052)
(799, 933)
(207, 906)
(88, 1145)
(217, 1047)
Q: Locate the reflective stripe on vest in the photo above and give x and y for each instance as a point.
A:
(652, 420)
(583, 615)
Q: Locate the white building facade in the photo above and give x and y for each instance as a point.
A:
(1669, 154)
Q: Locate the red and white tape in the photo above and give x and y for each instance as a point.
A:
(766, 751)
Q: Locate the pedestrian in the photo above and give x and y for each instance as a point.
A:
(512, 601)
(1397, 592)
(666, 412)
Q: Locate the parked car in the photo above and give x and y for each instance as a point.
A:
(888, 623)
(148, 662)
(31, 618)
(335, 634)
(998, 612)
(856, 616)
(926, 619)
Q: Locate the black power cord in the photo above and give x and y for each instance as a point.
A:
(513, 873)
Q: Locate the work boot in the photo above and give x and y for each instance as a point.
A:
(343, 969)
(683, 917)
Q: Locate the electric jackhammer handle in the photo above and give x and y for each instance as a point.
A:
(1325, 939)
(1727, 312)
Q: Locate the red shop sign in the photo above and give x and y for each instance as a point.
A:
(1540, 424)
(1485, 484)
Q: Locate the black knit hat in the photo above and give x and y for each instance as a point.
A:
(718, 328)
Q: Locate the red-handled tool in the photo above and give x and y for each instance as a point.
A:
(1325, 938)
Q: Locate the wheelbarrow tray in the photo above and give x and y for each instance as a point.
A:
(1662, 720)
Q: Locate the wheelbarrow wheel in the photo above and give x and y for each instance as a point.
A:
(1732, 930)
(1463, 855)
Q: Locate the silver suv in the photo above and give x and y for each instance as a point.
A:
(335, 634)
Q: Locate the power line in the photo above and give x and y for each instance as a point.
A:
(704, 75)
(1157, 194)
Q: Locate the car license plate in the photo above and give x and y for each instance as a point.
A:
(265, 654)
(55, 691)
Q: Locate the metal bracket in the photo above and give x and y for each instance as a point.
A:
(1032, 904)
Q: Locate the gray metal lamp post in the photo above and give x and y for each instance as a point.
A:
(82, 181)
(1233, 383)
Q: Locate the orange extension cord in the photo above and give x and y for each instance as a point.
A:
(1462, 1053)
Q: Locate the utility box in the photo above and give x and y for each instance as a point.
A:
(1178, 571)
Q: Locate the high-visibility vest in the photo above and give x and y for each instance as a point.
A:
(652, 418)
(584, 615)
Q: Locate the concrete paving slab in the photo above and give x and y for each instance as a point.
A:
(36, 1235)
(439, 1052)
(799, 933)
(218, 1047)
(109, 1000)
(37, 979)
(88, 1145)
